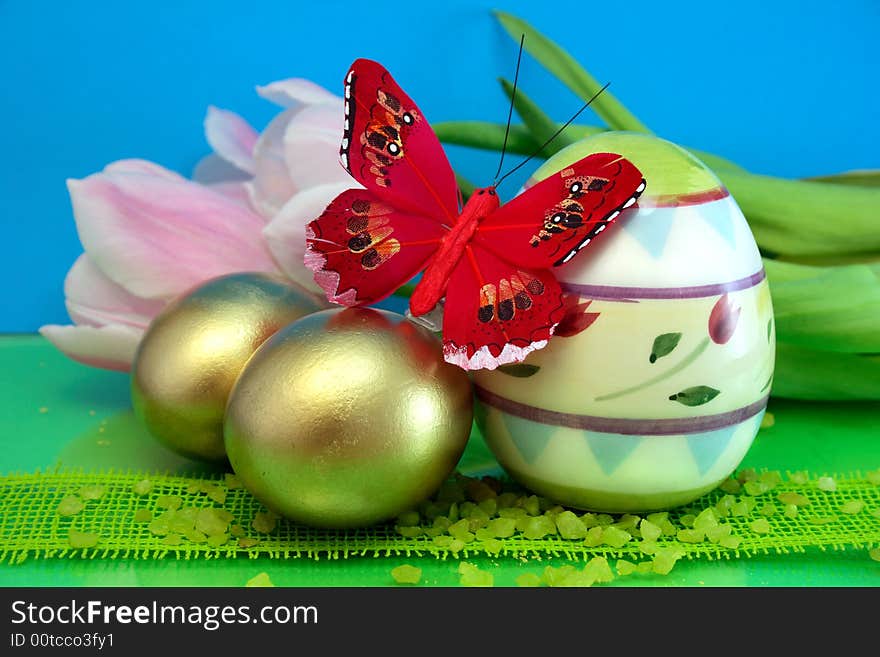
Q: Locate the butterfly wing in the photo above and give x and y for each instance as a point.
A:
(549, 223)
(388, 146)
(368, 242)
(496, 312)
(362, 249)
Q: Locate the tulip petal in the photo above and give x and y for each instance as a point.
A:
(296, 91)
(214, 169)
(271, 187)
(134, 165)
(286, 233)
(236, 191)
(158, 237)
(311, 147)
(95, 300)
(109, 347)
(231, 137)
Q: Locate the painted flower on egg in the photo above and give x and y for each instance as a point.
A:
(149, 234)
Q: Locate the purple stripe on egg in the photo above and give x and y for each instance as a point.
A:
(617, 293)
(647, 427)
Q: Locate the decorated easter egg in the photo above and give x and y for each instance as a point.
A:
(194, 350)
(653, 386)
(347, 417)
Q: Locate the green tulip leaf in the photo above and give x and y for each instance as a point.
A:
(696, 396)
(663, 345)
(562, 65)
(860, 177)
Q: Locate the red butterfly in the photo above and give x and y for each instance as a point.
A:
(491, 262)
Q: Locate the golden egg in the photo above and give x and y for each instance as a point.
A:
(347, 417)
(194, 350)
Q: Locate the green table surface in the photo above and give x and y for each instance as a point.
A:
(54, 411)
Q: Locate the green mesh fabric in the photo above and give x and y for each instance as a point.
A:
(101, 522)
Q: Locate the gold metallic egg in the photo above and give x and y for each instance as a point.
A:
(194, 350)
(347, 417)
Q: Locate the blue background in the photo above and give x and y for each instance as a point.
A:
(784, 88)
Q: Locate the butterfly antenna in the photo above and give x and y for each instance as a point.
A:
(555, 134)
(510, 110)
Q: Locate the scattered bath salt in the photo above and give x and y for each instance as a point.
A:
(747, 474)
(800, 477)
(852, 507)
(143, 515)
(731, 486)
(246, 542)
(78, 539)
(718, 532)
(557, 576)
(92, 492)
(408, 531)
(614, 537)
(195, 536)
(456, 545)
(625, 567)
(264, 522)
(791, 511)
(594, 536)
(70, 505)
(821, 520)
(731, 542)
(260, 580)
(827, 484)
(665, 558)
(170, 502)
(216, 493)
(793, 498)
(159, 526)
(598, 569)
(873, 477)
(44, 409)
(705, 520)
(232, 481)
(406, 574)
(471, 575)
(760, 526)
(756, 487)
(874, 553)
(91, 412)
(528, 580)
(171, 539)
(771, 477)
(650, 531)
(768, 420)
(690, 536)
(570, 526)
(211, 522)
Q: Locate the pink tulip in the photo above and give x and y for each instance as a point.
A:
(723, 320)
(150, 234)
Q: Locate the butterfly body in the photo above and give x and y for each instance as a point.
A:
(492, 262)
(432, 287)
